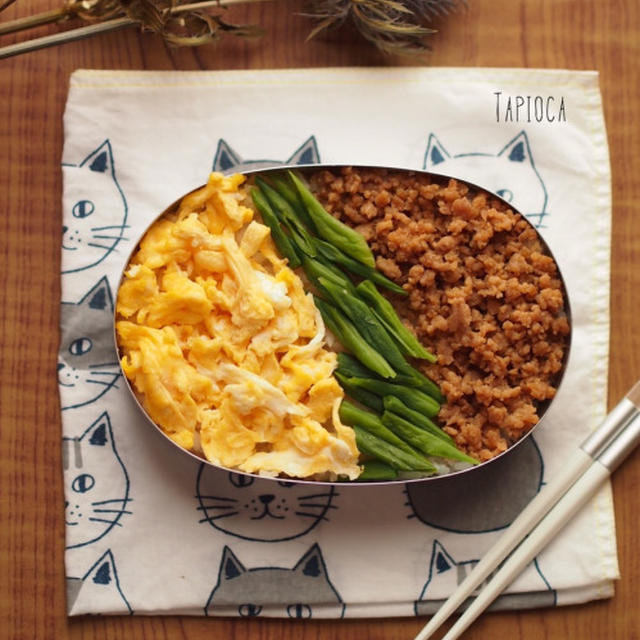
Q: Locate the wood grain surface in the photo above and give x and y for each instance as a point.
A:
(588, 34)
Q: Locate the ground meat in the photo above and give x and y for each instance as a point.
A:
(483, 294)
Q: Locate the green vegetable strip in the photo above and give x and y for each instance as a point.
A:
(393, 404)
(377, 470)
(349, 366)
(413, 378)
(384, 309)
(367, 324)
(287, 216)
(364, 397)
(316, 269)
(352, 415)
(329, 252)
(289, 192)
(280, 238)
(331, 229)
(370, 445)
(425, 442)
(413, 398)
(349, 336)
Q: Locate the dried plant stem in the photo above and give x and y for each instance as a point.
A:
(93, 29)
(19, 24)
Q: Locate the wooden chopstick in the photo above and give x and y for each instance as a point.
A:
(598, 456)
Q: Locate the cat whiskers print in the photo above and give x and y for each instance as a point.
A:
(87, 359)
(96, 484)
(510, 172)
(95, 216)
(260, 510)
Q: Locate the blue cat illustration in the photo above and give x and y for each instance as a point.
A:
(497, 494)
(302, 592)
(227, 160)
(97, 218)
(260, 510)
(96, 484)
(511, 173)
(87, 359)
(446, 573)
(99, 584)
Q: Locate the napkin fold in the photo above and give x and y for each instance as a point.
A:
(149, 530)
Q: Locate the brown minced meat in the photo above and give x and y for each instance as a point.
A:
(483, 294)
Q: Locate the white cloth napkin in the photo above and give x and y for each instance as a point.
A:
(151, 530)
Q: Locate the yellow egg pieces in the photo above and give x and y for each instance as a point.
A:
(224, 347)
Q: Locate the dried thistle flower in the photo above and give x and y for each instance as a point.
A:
(394, 26)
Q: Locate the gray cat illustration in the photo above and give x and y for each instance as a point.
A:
(99, 584)
(446, 573)
(260, 510)
(489, 501)
(302, 592)
(87, 360)
(97, 218)
(96, 484)
(510, 172)
(227, 160)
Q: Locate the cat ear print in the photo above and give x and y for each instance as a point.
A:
(435, 154)
(100, 432)
(100, 160)
(99, 296)
(230, 566)
(226, 158)
(312, 563)
(102, 572)
(307, 153)
(517, 150)
(441, 561)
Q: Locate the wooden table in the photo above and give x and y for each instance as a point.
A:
(520, 33)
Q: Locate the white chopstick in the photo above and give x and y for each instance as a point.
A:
(546, 514)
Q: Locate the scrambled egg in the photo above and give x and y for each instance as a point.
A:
(224, 347)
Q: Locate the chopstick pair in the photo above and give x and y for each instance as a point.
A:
(594, 461)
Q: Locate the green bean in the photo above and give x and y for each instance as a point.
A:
(413, 378)
(373, 470)
(349, 366)
(280, 238)
(352, 415)
(377, 448)
(412, 397)
(315, 269)
(349, 336)
(395, 405)
(364, 397)
(333, 254)
(385, 311)
(331, 229)
(424, 441)
(367, 324)
(288, 217)
(288, 191)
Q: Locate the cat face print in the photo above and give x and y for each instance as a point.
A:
(510, 172)
(99, 584)
(96, 484)
(446, 572)
(227, 160)
(304, 591)
(95, 215)
(260, 510)
(87, 360)
(499, 491)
